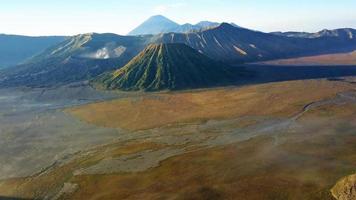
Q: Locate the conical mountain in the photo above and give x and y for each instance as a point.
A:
(155, 25)
(168, 67)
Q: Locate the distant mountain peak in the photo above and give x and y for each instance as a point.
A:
(158, 24)
(159, 17)
(207, 23)
(154, 25)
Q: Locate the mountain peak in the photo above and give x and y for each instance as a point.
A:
(226, 25)
(159, 17)
(168, 66)
(154, 25)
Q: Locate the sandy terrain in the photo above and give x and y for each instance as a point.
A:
(327, 59)
(155, 110)
(287, 140)
(35, 133)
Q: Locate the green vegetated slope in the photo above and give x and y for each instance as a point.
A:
(169, 66)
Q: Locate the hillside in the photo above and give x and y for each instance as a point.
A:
(78, 58)
(235, 45)
(85, 56)
(168, 66)
(15, 49)
(93, 46)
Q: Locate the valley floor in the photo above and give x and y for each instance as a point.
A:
(348, 58)
(285, 140)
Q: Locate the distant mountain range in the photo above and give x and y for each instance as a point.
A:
(169, 67)
(85, 56)
(345, 33)
(160, 24)
(15, 49)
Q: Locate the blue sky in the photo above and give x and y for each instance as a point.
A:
(69, 17)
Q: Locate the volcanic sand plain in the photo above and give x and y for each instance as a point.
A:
(285, 140)
(348, 58)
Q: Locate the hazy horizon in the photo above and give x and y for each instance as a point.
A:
(40, 17)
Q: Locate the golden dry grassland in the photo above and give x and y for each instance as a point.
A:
(155, 110)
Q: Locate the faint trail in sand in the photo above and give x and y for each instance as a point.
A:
(341, 98)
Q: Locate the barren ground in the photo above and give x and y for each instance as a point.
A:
(286, 140)
(328, 59)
